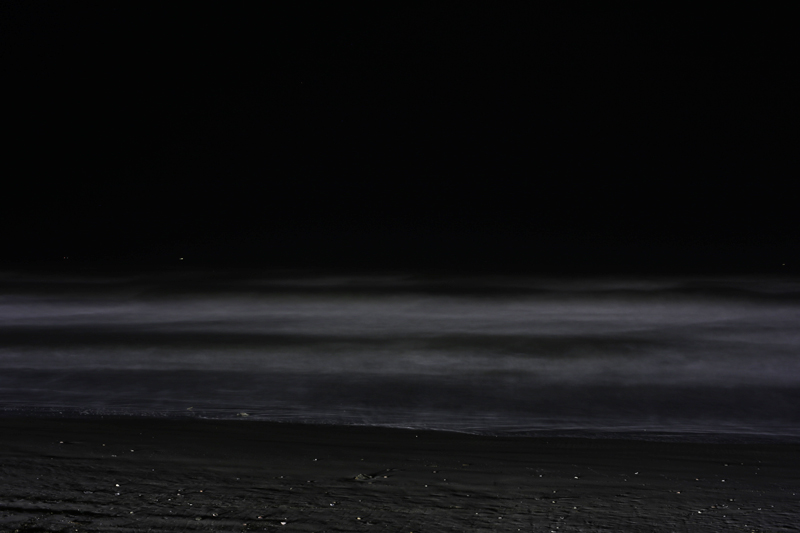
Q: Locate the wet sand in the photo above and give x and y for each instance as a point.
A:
(133, 474)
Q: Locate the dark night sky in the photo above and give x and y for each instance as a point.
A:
(454, 137)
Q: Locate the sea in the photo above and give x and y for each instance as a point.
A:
(662, 358)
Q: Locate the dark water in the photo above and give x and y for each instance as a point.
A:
(664, 357)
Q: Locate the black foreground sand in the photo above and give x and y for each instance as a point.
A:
(129, 474)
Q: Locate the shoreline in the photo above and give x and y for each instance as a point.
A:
(732, 436)
(147, 474)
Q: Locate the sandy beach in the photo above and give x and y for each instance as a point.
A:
(138, 474)
(361, 267)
